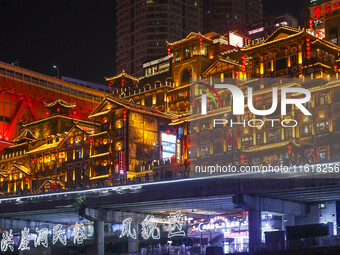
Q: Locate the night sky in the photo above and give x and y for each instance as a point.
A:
(76, 35)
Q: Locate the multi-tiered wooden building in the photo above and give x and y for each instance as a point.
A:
(151, 125)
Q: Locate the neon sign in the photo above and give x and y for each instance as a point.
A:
(319, 11)
(218, 222)
(150, 228)
(41, 238)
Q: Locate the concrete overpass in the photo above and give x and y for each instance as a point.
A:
(286, 195)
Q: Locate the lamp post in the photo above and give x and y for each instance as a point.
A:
(57, 68)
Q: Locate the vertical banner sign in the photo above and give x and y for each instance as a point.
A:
(178, 150)
(121, 162)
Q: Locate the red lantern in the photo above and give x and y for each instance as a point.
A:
(169, 51)
(33, 160)
(335, 67)
(289, 146)
(124, 114)
(58, 109)
(168, 131)
(26, 180)
(308, 48)
(123, 81)
(91, 142)
(243, 64)
(242, 156)
(312, 153)
(311, 23)
(201, 41)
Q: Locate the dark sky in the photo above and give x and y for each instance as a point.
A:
(76, 35)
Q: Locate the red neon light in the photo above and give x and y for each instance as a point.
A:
(317, 11)
(328, 9)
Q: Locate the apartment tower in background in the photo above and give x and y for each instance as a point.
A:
(222, 16)
(143, 28)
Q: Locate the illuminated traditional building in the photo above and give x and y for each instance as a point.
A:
(287, 53)
(128, 139)
(151, 124)
(49, 153)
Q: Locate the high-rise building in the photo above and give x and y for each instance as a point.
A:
(222, 16)
(265, 27)
(145, 26)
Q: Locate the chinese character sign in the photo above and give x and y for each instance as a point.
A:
(127, 229)
(78, 233)
(41, 237)
(7, 241)
(150, 228)
(175, 226)
(325, 9)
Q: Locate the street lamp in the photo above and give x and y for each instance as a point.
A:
(57, 68)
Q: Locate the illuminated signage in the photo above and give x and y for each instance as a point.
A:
(321, 10)
(150, 228)
(168, 145)
(222, 224)
(178, 151)
(41, 237)
(236, 40)
(255, 31)
(121, 162)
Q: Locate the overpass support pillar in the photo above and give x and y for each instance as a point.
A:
(133, 243)
(255, 230)
(99, 237)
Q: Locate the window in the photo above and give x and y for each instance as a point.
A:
(205, 150)
(259, 139)
(322, 99)
(306, 130)
(193, 152)
(218, 147)
(288, 133)
(267, 67)
(246, 141)
(293, 60)
(148, 101)
(322, 126)
(274, 136)
(78, 153)
(186, 52)
(281, 64)
(119, 132)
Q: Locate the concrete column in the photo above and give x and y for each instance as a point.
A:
(99, 246)
(255, 231)
(133, 243)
